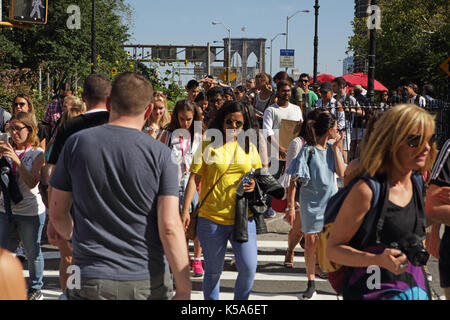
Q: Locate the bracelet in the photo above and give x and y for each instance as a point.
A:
(289, 209)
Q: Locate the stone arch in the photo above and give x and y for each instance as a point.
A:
(245, 47)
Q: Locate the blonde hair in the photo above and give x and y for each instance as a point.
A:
(69, 114)
(165, 118)
(29, 120)
(76, 103)
(395, 125)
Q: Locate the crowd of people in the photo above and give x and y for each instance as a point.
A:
(122, 184)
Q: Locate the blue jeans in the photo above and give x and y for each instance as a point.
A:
(213, 239)
(30, 232)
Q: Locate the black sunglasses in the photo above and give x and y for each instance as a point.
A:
(413, 141)
(230, 122)
(15, 104)
(303, 80)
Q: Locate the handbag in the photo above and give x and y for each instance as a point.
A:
(191, 232)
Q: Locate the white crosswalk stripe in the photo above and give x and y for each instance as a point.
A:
(267, 278)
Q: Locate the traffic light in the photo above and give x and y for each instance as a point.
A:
(185, 63)
(29, 11)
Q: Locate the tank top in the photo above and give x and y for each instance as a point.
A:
(32, 204)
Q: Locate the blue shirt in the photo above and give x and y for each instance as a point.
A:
(318, 181)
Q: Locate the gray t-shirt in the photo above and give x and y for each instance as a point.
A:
(115, 175)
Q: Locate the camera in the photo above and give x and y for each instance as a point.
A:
(412, 246)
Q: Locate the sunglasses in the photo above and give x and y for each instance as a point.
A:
(413, 141)
(230, 122)
(303, 80)
(156, 94)
(16, 129)
(22, 104)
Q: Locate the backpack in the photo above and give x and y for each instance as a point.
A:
(336, 272)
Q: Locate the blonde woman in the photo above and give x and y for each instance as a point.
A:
(403, 145)
(27, 215)
(24, 103)
(159, 117)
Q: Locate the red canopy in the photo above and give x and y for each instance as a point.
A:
(325, 77)
(362, 79)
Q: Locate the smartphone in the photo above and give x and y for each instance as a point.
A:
(4, 137)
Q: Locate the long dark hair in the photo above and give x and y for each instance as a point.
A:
(307, 132)
(181, 106)
(319, 127)
(228, 108)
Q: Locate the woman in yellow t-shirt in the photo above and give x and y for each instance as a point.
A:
(216, 217)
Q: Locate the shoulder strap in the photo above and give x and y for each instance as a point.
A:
(311, 152)
(217, 181)
(2, 119)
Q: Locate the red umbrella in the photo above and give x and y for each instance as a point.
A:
(362, 79)
(325, 77)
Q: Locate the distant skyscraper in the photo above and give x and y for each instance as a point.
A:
(361, 8)
(347, 65)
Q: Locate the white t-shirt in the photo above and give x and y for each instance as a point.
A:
(32, 204)
(260, 105)
(422, 101)
(274, 114)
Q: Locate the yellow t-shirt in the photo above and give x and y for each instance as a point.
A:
(210, 163)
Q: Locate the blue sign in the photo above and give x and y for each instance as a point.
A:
(287, 52)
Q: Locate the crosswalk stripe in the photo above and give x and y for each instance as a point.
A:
(262, 244)
(226, 275)
(196, 295)
(50, 294)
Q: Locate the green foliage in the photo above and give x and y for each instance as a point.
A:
(411, 44)
(65, 54)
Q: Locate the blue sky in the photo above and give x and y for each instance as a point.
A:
(184, 22)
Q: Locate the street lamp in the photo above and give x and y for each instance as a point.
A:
(229, 50)
(271, 45)
(287, 27)
(316, 39)
(93, 39)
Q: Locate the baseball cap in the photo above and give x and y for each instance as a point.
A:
(325, 87)
(358, 87)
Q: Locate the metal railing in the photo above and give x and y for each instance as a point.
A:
(356, 119)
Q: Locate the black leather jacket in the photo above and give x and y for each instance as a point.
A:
(265, 184)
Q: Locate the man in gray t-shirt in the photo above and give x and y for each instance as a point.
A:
(124, 188)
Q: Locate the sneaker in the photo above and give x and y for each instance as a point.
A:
(20, 253)
(270, 213)
(198, 268)
(34, 294)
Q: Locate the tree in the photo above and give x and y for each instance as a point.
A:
(411, 44)
(66, 53)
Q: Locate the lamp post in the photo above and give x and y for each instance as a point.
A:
(93, 39)
(371, 73)
(316, 38)
(229, 50)
(287, 27)
(271, 46)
